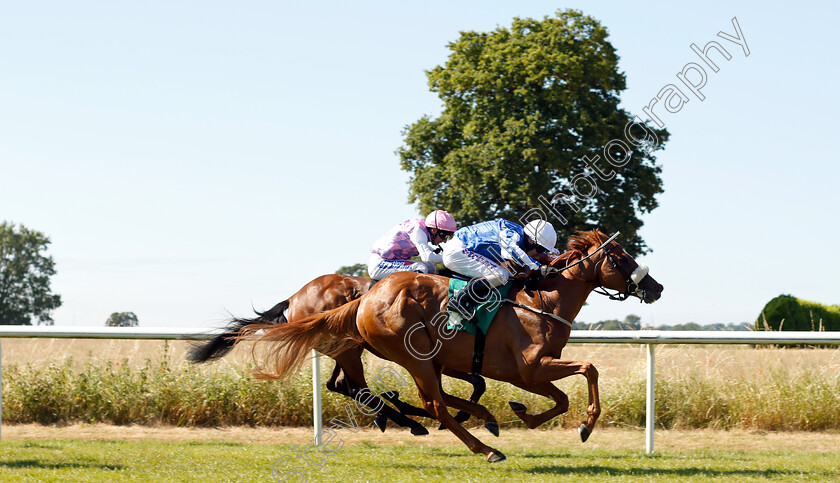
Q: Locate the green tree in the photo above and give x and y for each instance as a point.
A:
(633, 321)
(688, 326)
(612, 324)
(122, 319)
(531, 122)
(357, 270)
(25, 273)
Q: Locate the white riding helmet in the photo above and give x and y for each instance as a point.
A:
(543, 233)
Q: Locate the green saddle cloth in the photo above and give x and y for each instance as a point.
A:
(483, 314)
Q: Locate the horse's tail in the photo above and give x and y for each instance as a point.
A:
(329, 333)
(276, 314)
(221, 344)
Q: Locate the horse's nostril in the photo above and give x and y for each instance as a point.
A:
(659, 288)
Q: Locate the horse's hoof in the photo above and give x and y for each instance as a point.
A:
(441, 427)
(390, 396)
(462, 417)
(584, 432)
(495, 457)
(517, 407)
(419, 431)
(493, 427)
(381, 421)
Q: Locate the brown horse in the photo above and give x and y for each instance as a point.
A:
(325, 293)
(524, 343)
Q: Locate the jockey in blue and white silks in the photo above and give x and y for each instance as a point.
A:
(477, 251)
(392, 251)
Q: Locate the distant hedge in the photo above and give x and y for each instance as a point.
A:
(787, 312)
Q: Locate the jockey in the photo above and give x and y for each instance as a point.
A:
(411, 238)
(478, 250)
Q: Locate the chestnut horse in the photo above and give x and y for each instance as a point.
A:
(348, 378)
(523, 344)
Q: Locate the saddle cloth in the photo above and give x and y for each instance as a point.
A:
(484, 313)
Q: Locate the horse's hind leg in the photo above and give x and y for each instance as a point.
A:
(337, 382)
(474, 409)
(403, 407)
(478, 384)
(428, 382)
(546, 389)
(350, 362)
(393, 397)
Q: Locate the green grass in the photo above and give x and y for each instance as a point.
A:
(54, 460)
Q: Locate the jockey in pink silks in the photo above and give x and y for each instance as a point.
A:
(411, 238)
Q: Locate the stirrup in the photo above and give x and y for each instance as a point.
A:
(456, 320)
(458, 307)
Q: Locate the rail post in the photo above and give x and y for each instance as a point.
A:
(316, 395)
(650, 403)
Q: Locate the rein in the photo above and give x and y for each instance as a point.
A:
(559, 270)
(628, 277)
(587, 257)
(538, 311)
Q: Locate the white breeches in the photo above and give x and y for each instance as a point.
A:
(459, 259)
(379, 268)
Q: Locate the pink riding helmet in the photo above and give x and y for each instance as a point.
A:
(441, 220)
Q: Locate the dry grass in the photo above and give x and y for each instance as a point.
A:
(41, 352)
(611, 359)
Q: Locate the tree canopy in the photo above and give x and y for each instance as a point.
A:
(631, 322)
(122, 319)
(531, 122)
(25, 273)
(357, 270)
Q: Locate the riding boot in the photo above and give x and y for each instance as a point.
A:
(466, 300)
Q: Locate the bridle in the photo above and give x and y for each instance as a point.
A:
(631, 280)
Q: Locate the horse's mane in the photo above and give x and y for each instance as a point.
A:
(580, 244)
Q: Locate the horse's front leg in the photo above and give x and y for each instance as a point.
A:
(548, 369)
(546, 389)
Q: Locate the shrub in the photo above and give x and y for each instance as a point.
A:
(787, 312)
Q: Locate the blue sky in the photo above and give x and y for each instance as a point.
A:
(190, 159)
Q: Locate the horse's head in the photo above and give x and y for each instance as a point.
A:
(610, 267)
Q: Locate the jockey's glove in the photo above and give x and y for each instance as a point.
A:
(547, 271)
